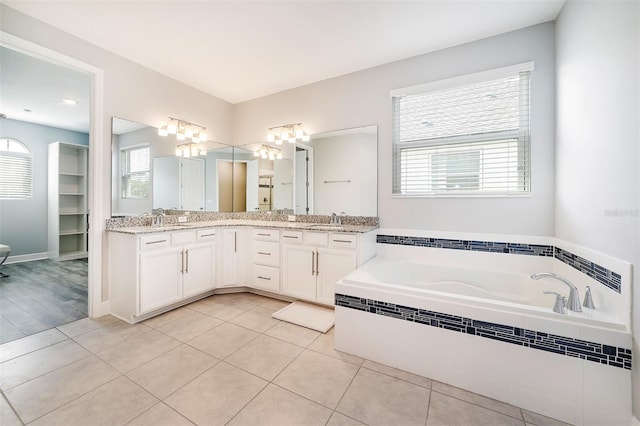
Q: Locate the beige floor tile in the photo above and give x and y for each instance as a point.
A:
(7, 416)
(160, 415)
(220, 309)
(398, 374)
(274, 304)
(31, 343)
(377, 399)
(292, 333)
(34, 364)
(476, 399)
(85, 325)
(189, 326)
(318, 377)
(445, 410)
(243, 298)
(167, 317)
(325, 345)
(46, 393)
(532, 418)
(257, 319)
(265, 356)
(216, 396)
(223, 340)
(135, 352)
(338, 419)
(172, 370)
(111, 335)
(278, 407)
(114, 403)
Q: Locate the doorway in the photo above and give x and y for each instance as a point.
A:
(32, 266)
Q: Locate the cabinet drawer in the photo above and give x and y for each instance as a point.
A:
(206, 235)
(266, 253)
(266, 235)
(154, 242)
(182, 238)
(292, 237)
(266, 277)
(342, 241)
(316, 238)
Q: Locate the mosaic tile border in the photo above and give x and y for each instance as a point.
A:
(601, 274)
(567, 346)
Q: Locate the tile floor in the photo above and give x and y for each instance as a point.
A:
(221, 360)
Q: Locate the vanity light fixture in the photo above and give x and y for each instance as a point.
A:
(183, 130)
(267, 152)
(287, 132)
(189, 150)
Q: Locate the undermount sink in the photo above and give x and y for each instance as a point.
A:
(327, 226)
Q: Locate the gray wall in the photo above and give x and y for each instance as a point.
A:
(362, 98)
(23, 223)
(598, 133)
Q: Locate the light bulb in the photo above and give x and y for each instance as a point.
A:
(203, 136)
(292, 140)
(203, 152)
(180, 135)
(306, 138)
(178, 151)
(172, 128)
(279, 155)
(271, 137)
(272, 155)
(188, 132)
(186, 153)
(278, 141)
(284, 135)
(162, 131)
(194, 151)
(256, 153)
(299, 134)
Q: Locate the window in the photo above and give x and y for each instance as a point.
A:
(135, 172)
(466, 136)
(16, 170)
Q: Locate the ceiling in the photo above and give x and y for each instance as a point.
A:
(241, 50)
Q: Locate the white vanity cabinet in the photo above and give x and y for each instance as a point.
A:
(313, 262)
(235, 262)
(153, 271)
(265, 257)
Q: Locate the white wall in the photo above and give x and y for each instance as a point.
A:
(131, 91)
(598, 133)
(362, 98)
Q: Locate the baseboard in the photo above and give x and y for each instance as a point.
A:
(26, 257)
(635, 421)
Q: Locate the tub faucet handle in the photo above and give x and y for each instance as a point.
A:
(560, 306)
(588, 300)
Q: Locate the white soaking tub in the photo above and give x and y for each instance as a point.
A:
(491, 332)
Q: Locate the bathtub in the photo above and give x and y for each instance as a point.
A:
(491, 332)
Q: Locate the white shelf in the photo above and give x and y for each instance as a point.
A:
(67, 215)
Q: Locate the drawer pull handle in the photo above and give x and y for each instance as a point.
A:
(208, 235)
(156, 242)
(341, 241)
(264, 235)
(264, 278)
(289, 236)
(264, 253)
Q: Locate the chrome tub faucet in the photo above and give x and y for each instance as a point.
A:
(573, 302)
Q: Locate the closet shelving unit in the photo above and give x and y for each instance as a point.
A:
(68, 215)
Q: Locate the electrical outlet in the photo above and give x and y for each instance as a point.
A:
(182, 219)
(291, 218)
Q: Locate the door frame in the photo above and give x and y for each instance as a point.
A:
(97, 215)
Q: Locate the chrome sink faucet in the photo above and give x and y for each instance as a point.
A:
(573, 302)
(334, 219)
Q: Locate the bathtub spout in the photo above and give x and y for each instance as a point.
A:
(573, 303)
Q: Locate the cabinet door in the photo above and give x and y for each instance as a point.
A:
(333, 264)
(199, 269)
(160, 279)
(230, 257)
(298, 278)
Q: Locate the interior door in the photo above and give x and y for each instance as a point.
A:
(225, 185)
(239, 187)
(192, 184)
(253, 183)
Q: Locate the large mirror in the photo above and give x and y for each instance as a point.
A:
(334, 172)
(147, 174)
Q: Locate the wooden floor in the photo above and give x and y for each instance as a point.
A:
(40, 295)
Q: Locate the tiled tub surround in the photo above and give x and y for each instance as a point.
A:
(490, 347)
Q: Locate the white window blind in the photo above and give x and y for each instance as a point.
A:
(469, 139)
(135, 172)
(16, 170)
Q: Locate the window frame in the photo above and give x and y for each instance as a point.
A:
(124, 174)
(523, 138)
(12, 155)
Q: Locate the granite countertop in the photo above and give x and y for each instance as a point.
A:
(352, 229)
